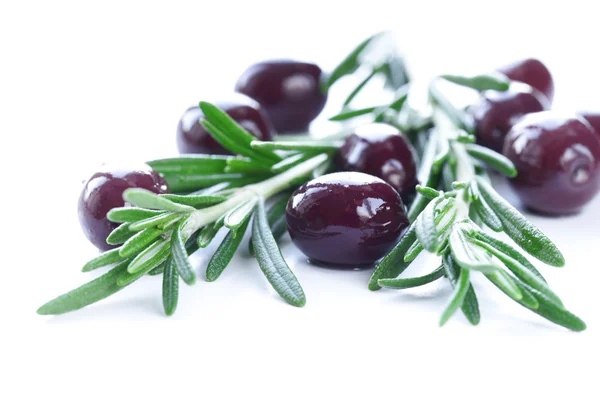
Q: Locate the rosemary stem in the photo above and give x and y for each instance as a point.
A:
(465, 171)
(266, 189)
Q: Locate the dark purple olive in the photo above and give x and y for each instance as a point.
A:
(193, 138)
(533, 73)
(289, 91)
(345, 218)
(558, 160)
(496, 112)
(383, 151)
(104, 191)
(593, 118)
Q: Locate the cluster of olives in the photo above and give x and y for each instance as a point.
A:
(557, 156)
(355, 216)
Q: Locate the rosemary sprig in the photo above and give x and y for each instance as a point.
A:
(465, 248)
(159, 232)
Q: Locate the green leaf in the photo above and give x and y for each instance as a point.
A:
(159, 220)
(349, 64)
(428, 192)
(232, 145)
(157, 270)
(495, 160)
(170, 288)
(399, 100)
(481, 82)
(398, 283)
(458, 297)
(89, 293)
(225, 252)
(196, 164)
(346, 115)
(271, 261)
(139, 241)
(127, 278)
(234, 131)
(130, 214)
(508, 285)
(519, 229)
(359, 87)
(470, 306)
(427, 233)
(120, 234)
(395, 72)
(215, 190)
(461, 119)
(550, 311)
(314, 146)
(189, 183)
(522, 272)
(291, 161)
(208, 233)
(146, 199)
(276, 219)
(201, 201)
(392, 265)
(236, 217)
(508, 250)
(107, 258)
(467, 255)
(246, 166)
(151, 257)
(484, 211)
(180, 256)
(413, 252)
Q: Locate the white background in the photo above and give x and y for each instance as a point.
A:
(82, 84)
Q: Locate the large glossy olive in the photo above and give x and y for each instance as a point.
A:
(593, 117)
(496, 112)
(193, 138)
(533, 73)
(288, 90)
(345, 218)
(104, 191)
(383, 151)
(558, 160)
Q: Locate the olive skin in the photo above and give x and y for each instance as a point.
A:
(346, 219)
(558, 162)
(532, 72)
(496, 112)
(193, 138)
(289, 91)
(593, 118)
(104, 191)
(383, 151)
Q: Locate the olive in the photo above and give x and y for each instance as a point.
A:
(383, 151)
(289, 91)
(593, 118)
(496, 112)
(192, 137)
(558, 162)
(533, 73)
(104, 191)
(345, 218)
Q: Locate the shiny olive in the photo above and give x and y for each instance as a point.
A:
(192, 137)
(104, 191)
(289, 91)
(533, 73)
(345, 218)
(593, 118)
(496, 112)
(383, 151)
(558, 160)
